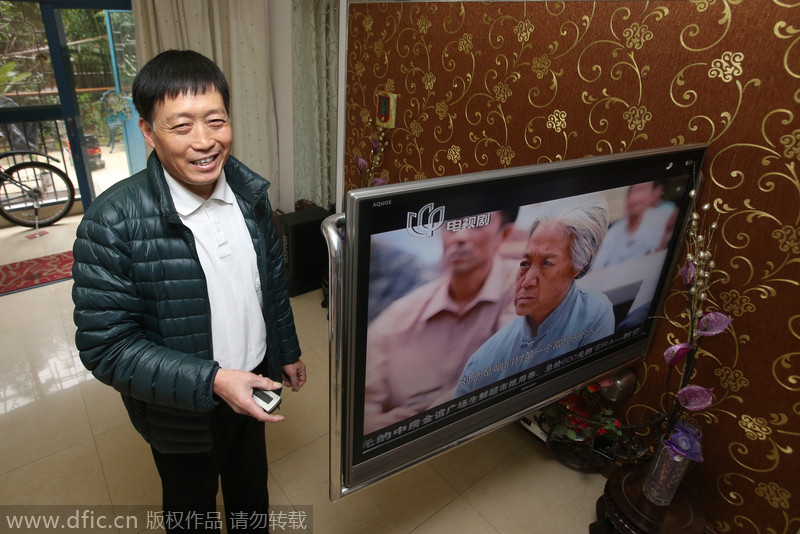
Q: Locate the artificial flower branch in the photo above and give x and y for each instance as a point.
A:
(366, 168)
(696, 274)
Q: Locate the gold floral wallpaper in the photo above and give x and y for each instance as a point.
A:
(485, 85)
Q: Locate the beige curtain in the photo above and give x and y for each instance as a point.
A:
(315, 54)
(233, 33)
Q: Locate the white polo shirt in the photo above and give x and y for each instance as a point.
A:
(226, 253)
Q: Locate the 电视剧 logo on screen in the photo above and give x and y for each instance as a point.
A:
(426, 221)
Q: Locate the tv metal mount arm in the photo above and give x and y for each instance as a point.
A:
(333, 231)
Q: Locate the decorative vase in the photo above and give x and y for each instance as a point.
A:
(665, 474)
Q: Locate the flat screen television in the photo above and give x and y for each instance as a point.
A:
(568, 263)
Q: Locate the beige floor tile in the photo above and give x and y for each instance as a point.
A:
(46, 340)
(397, 505)
(84, 375)
(28, 307)
(63, 295)
(532, 492)
(103, 406)
(61, 235)
(276, 495)
(464, 466)
(37, 361)
(129, 468)
(17, 243)
(458, 516)
(35, 356)
(71, 476)
(306, 411)
(309, 304)
(70, 329)
(310, 320)
(40, 425)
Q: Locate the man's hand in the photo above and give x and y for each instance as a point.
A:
(236, 388)
(294, 375)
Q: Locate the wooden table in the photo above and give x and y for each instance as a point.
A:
(623, 508)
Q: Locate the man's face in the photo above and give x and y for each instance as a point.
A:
(192, 137)
(545, 272)
(467, 250)
(640, 198)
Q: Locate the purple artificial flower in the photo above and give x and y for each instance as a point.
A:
(685, 439)
(676, 353)
(695, 398)
(687, 274)
(378, 180)
(712, 323)
(376, 145)
(362, 164)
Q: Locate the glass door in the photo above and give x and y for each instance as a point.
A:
(122, 37)
(31, 118)
(101, 48)
(65, 73)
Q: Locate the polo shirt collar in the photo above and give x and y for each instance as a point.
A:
(491, 291)
(187, 202)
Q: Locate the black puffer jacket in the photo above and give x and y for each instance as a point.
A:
(142, 310)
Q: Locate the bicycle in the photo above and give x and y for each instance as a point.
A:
(34, 193)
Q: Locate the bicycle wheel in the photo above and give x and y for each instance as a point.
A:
(34, 190)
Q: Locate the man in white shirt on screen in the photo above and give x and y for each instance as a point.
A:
(641, 230)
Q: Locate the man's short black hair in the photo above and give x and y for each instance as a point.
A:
(173, 73)
(509, 215)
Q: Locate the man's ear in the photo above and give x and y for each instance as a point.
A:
(581, 273)
(147, 132)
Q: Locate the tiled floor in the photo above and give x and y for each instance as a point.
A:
(66, 438)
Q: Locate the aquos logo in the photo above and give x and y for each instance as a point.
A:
(426, 221)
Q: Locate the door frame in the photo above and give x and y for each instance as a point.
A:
(68, 110)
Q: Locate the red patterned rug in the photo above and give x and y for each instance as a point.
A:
(28, 274)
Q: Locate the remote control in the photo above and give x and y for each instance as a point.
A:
(268, 400)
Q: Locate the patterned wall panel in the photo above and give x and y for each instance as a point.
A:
(496, 84)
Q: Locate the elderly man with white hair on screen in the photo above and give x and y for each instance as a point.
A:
(554, 315)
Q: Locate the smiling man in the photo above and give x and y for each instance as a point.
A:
(180, 301)
(192, 137)
(554, 316)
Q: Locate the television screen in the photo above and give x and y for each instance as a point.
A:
(461, 303)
